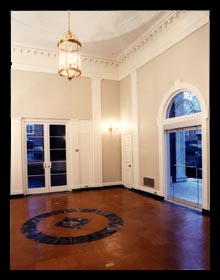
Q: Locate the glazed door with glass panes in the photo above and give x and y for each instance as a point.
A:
(185, 166)
(45, 157)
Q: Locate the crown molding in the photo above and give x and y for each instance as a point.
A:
(146, 37)
(40, 60)
(99, 67)
(176, 26)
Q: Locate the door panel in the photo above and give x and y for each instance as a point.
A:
(127, 164)
(85, 153)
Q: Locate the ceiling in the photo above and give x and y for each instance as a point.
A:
(102, 33)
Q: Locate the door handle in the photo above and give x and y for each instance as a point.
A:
(45, 165)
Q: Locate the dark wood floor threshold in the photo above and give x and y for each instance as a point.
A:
(194, 210)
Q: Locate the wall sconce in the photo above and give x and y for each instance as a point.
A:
(111, 127)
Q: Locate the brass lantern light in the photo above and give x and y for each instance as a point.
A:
(69, 57)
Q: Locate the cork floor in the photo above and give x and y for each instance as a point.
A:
(106, 229)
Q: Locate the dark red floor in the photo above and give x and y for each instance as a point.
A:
(154, 235)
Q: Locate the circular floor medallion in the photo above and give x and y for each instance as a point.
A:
(30, 230)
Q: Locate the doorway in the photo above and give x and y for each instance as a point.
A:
(183, 108)
(45, 157)
(185, 166)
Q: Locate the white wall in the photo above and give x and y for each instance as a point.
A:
(43, 95)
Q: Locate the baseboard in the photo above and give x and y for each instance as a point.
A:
(206, 212)
(112, 183)
(99, 185)
(16, 196)
(151, 195)
(150, 190)
(98, 188)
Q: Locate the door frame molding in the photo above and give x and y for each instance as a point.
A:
(201, 118)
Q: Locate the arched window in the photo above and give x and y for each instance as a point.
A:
(183, 103)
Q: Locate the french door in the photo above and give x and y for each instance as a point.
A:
(45, 157)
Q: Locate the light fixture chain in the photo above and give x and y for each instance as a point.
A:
(69, 21)
(69, 57)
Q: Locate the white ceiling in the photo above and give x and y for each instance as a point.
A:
(102, 33)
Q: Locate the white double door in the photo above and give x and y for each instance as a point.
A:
(45, 157)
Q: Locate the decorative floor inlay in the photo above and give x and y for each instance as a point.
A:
(30, 230)
(69, 222)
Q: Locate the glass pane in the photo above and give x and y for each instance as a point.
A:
(30, 146)
(37, 155)
(57, 130)
(58, 180)
(184, 103)
(186, 167)
(29, 128)
(58, 167)
(35, 129)
(57, 155)
(36, 182)
(57, 143)
(35, 149)
(35, 141)
(35, 169)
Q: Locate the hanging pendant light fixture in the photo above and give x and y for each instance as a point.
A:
(69, 57)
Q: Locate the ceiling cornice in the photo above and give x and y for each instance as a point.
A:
(41, 60)
(172, 30)
(149, 36)
(175, 27)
